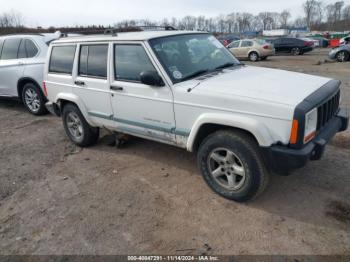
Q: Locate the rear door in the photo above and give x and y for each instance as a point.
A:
(278, 45)
(139, 109)
(91, 83)
(11, 68)
(246, 46)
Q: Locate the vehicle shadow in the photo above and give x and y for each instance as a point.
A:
(305, 196)
(12, 104)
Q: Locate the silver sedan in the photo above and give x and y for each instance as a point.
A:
(341, 53)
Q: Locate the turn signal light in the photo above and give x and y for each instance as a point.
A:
(294, 133)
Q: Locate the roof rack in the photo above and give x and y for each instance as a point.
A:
(111, 31)
(160, 28)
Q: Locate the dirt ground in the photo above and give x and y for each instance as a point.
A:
(149, 198)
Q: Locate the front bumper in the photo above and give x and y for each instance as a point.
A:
(332, 54)
(282, 159)
(53, 109)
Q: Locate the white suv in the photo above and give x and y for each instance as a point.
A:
(22, 59)
(186, 89)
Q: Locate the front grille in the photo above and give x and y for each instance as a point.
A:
(328, 110)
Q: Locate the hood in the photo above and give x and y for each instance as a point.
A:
(277, 86)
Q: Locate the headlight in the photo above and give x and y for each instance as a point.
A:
(310, 125)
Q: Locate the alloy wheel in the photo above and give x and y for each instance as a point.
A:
(32, 100)
(75, 126)
(341, 56)
(227, 169)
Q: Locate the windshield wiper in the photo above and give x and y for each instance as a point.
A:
(226, 66)
(195, 74)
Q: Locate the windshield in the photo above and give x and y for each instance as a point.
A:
(188, 56)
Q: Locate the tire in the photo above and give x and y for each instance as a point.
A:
(33, 99)
(253, 56)
(241, 181)
(342, 56)
(296, 51)
(76, 127)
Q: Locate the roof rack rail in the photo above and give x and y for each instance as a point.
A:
(111, 31)
(155, 27)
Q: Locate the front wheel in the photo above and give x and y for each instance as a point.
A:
(33, 99)
(342, 56)
(77, 128)
(232, 165)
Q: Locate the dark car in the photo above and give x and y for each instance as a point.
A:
(294, 46)
(227, 39)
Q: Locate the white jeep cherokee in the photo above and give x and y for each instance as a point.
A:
(22, 59)
(186, 89)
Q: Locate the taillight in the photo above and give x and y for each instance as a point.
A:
(45, 89)
(266, 46)
(309, 43)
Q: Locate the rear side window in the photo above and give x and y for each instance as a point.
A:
(130, 61)
(1, 44)
(93, 61)
(22, 50)
(247, 43)
(288, 41)
(31, 48)
(10, 48)
(62, 59)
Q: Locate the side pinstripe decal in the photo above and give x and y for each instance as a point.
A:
(172, 130)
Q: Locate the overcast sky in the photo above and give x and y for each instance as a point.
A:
(83, 12)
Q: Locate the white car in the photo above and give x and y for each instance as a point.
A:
(242, 121)
(22, 59)
(344, 40)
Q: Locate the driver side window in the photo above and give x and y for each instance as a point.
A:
(129, 61)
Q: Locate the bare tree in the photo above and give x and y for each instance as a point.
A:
(231, 20)
(346, 12)
(284, 18)
(11, 19)
(300, 22)
(338, 6)
(266, 19)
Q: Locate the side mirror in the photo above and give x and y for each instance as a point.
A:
(151, 78)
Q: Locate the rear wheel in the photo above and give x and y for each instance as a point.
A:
(33, 99)
(232, 165)
(296, 51)
(77, 128)
(342, 56)
(253, 56)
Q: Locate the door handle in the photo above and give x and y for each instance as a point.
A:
(117, 88)
(79, 83)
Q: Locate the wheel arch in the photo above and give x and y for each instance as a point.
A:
(63, 99)
(254, 51)
(25, 80)
(209, 124)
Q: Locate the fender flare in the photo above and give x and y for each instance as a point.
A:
(256, 128)
(75, 100)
